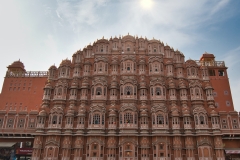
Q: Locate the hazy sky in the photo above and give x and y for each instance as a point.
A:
(43, 32)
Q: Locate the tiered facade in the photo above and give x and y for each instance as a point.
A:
(129, 98)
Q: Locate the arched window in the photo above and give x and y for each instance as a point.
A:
(202, 119)
(128, 90)
(128, 118)
(99, 91)
(96, 119)
(54, 119)
(160, 119)
(158, 91)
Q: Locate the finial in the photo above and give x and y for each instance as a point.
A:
(19, 60)
(128, 33)
(103, 37)
(141, 36)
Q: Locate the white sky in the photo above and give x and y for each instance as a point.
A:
(43, 32)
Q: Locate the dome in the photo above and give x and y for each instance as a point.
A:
(17, 64)
(128, 37)
(53, 67)
(42, 113)
(191, 63)
(65, 62)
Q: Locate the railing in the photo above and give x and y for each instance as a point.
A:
(184, 98)
(209, 98)
(144, 126)
(35, 158)
(113, 97)
(190, 158)
(176, 126)
(215, 126)
(172, 97)
(65, 158)
(128, 125)
(96, 126)
(178, 158)
(192, 76)
(128, 97)
(112, 126)
(101, 97)
(68, 126)
(80, 126)
(205, 158)
(143, 97)
(160, 126)
(94, 158)
(161, 158)
(27, 74)
(54, 126)
(73, 97)
(83, 98)
(128, 158)
(77, 158)
(211, 63)
(158, 98)
(40, 126)
(187, 126)
(201, 126)
(56, 97)
(46, 97)
(145, 158)
(47, 158)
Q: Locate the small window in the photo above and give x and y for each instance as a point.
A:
(224, 121)
(161, 154)
(234, 121)
(235, 126)
(154, 50)
(128, 49)
(211, 72)
(220, 72)
(214, 94)
(228, 103)
(225, 92)
(224, 126)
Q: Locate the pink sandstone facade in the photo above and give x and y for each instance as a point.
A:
(125, 98)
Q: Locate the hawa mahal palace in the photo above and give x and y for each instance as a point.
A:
(126, 98)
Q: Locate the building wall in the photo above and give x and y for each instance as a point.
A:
(125, 98)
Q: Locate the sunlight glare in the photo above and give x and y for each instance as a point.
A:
(147, 4)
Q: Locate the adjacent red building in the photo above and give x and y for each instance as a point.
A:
(125, 98)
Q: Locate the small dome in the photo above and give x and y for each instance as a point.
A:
(66, 62)
(214, 113)
(186, 112)
(81, 112)
(74, 84)
(42, 113)
(171, 84)
(182, 85)
(144, 113)
(17, 64)
(48, 85)
(112, 113)
(53, 67)
(70, 112)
